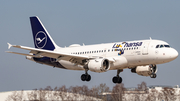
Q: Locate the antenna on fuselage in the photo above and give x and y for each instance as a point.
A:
(150, 38)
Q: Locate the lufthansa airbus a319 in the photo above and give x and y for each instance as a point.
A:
(141, 56)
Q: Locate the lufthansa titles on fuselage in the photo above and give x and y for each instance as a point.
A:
(134, 44)
(121, 51)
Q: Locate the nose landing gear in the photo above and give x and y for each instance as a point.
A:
(153, 70)
(153, 75)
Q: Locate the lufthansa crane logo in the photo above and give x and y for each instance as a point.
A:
(40, 39)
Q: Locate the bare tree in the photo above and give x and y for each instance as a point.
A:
(102, 90)
(94, 92)
(16, 96)
(160, 96)
(63, 93)
(169, 94)
(117, 92)
(84, 90)
(56, 94)
(153, 95)
(143, 87)
(40, 95)
(76, 92)
(32, 95)
(141, 91)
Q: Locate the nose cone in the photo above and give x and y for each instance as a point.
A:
(174, 54)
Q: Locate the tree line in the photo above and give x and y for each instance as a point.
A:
(101, 92)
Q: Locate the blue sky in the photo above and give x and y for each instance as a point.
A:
(89, 22)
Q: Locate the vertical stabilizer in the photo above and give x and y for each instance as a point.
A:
(42, 39)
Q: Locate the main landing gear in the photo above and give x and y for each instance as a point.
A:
(117, 78)
(86, 76)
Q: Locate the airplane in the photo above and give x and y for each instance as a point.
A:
(141, 56)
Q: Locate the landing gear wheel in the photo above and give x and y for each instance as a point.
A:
(88, 77)
(83, 77)
(120, 80)
(117, 79)
(153, 75)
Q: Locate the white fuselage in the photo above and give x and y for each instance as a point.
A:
(126, 54)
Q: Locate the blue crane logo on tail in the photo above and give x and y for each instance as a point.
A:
(40, 39)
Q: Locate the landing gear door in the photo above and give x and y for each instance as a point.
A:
(145, 48)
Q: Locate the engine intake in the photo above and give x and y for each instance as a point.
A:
(99, 65)
(144, 70)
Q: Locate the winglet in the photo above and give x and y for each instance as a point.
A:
(9, 45)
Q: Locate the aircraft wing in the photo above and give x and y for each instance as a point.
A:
(47, 53)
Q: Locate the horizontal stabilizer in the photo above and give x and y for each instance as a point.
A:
(9, 45)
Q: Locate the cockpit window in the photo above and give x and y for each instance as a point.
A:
(162, 46)
(157, 46)
(167, 46)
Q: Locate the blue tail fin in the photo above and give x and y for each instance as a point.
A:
(42, 39)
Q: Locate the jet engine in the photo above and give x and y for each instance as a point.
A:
(145, 70)
(99, 65)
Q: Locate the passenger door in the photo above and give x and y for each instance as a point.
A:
(145, 48)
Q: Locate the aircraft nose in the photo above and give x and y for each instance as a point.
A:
(174, 54)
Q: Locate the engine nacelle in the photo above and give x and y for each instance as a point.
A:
(99, 65)
(144, 70)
